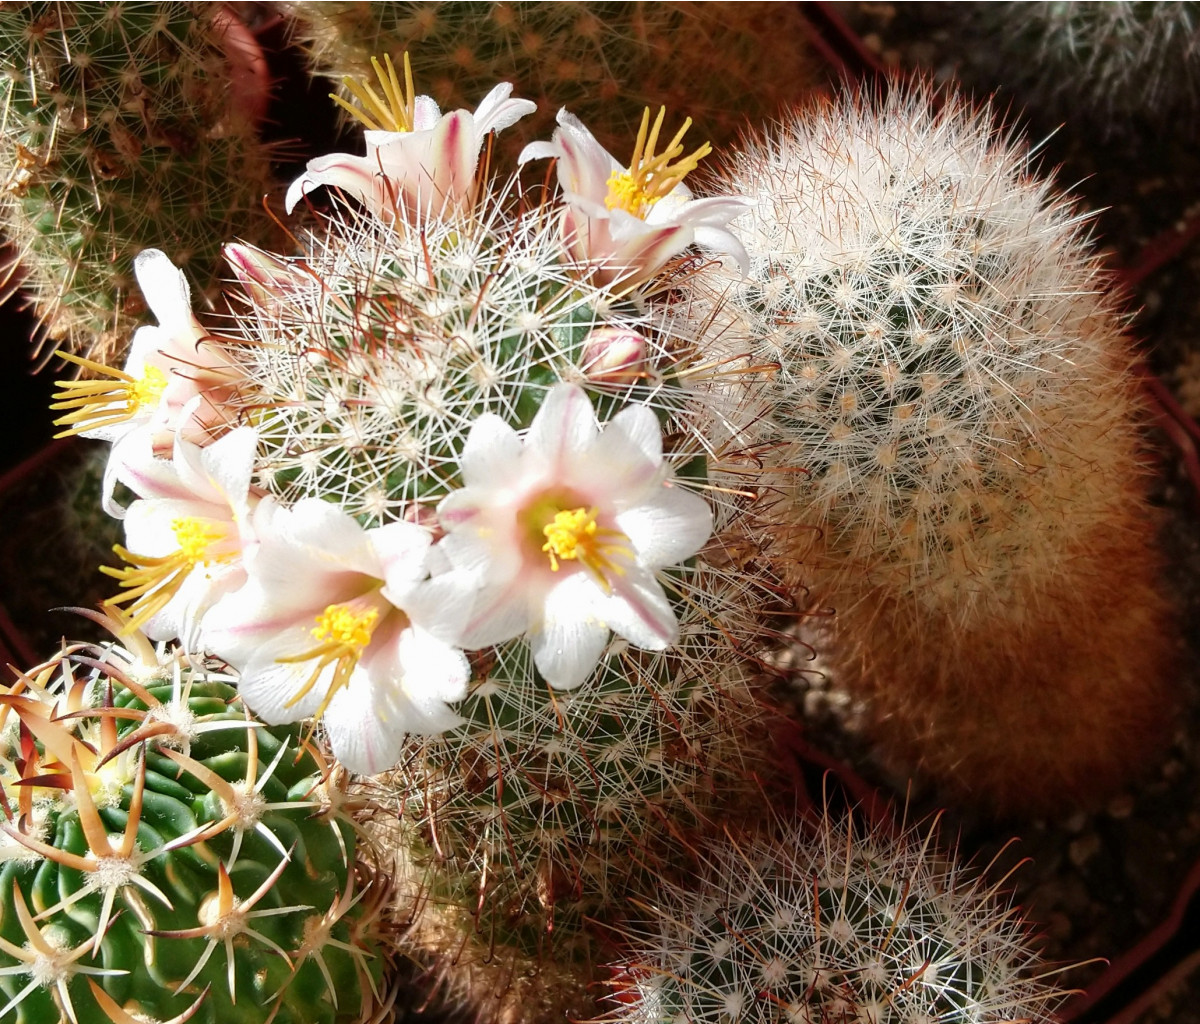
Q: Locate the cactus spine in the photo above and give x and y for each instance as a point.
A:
(836, 925)
(166, 857)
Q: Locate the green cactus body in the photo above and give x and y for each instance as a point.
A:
(122, 130)
(547, 807)
(720, 63)
(228, 886)
(822, 924)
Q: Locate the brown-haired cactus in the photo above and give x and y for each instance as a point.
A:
(954, 440)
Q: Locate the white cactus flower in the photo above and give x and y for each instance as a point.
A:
(185, 535)
(327, 626)
(559, 536)
(417, 158)
(624, 223)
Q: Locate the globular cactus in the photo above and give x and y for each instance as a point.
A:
(366, 362)
(955, 444)
(536, 819)
(166, 857)
(1109, 66)
(722, 63)
(125, 125)
(813, 924)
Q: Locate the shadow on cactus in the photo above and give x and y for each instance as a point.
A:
(167, 857)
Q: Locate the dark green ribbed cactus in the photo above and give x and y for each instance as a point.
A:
(166, 857)
(719, 63)
(125, 125)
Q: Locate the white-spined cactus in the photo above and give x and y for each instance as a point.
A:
(819, 923)
(953, 439)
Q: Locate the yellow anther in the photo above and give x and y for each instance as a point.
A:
(195, 537)
(395, 111)
(651, 176)
(104, 403)
(568, 532)
(341, 632)
(340, 624)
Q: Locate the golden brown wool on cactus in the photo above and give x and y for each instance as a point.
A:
(722, 64)
(955, 446)
(126, 125)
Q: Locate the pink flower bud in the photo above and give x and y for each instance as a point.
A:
(265, 277)
(614, 355)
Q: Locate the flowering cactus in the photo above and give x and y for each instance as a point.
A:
(441, 485)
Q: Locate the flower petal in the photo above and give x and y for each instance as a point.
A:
(639, 611)
(563, 429)
(568, 643)
(165, 289)
(671, 527)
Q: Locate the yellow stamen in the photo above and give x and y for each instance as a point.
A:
(574, 535)
(104, 403)
(150, 582)
(651, 176)
(342, 632)
(396, 111)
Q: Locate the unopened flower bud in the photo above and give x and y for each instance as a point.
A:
(614, 355)
(264, 277)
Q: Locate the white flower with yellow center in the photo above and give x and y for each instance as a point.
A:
(559, 536)
(185, 535)
(340, 623)
(417, 158)
(623, 223)
(169, 367)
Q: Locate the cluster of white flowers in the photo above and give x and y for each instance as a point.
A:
(558, 534)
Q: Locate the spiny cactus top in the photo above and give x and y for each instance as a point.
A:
(349, 502)
(814, 925)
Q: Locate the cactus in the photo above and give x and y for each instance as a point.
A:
(166, 857)
(826, 923)
(125, 124)
(1111, 64)
(722, 63)
(954, 439)
(365, 363)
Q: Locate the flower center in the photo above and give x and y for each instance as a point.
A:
(651, 176)
(195, 537)
(342, 625)
(95, 404)
(149, 582)
(566, 532)
(342, 632)
(395, 111)
(575, 535)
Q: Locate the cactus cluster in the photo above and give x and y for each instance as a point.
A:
(953, 441)
(824, 923)
(167, 857)
(724, 63)
(125, 125)
(509, 494)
